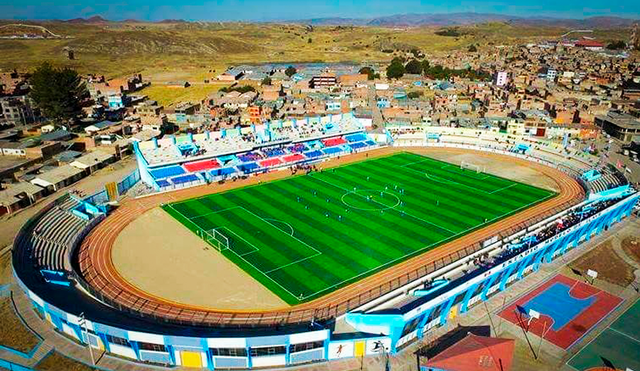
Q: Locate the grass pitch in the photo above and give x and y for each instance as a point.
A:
(305, 236)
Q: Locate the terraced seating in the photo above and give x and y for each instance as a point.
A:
(52, 236)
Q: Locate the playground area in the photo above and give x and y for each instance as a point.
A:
(566, 310)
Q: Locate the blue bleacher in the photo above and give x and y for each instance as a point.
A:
(358, 145)
(332, 150)
(184, 179)
(297, 148)
(370, 142)
(358, 137)
(248, 167)
(272, 152)
(223, 171)
(166, 172)
(163, 183)
(313, 154)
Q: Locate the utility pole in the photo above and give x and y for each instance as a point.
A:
(83, 325)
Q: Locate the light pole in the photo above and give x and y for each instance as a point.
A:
(83, 325)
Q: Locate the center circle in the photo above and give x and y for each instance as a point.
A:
(370, 199)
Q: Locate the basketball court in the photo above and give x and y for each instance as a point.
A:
(566, 310)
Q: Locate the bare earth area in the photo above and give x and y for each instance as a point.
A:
(604, 260)
(13, 334)
(631, 246)
(183, 268)
(180, 267)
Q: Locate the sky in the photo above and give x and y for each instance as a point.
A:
(270, 10)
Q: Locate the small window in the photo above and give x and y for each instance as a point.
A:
(152, 347)
(118, 340)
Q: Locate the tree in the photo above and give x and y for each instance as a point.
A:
(413, 67)
(414, 94)
(473, 49)
(371, 74)
(425, 65)
(617, 45)
(266, 80)
(290, 71)
(57, 92)
(400, 60)
(309, 41)
(395, 71)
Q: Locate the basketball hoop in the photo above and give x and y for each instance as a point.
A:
(532, 314)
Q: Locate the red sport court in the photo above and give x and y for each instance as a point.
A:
(568, 310)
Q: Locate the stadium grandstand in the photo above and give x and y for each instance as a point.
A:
(62, 256)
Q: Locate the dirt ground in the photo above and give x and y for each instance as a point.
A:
(57, 362)
(604, 260)
(499, 168)
(631, 246)
(201, 277)
(13, 334)
(183, 268)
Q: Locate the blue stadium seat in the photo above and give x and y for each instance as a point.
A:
(184, 179)
(358, 137)
(167, 172)
(163, 183)
(313, 154)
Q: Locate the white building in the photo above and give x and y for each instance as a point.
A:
(501, 78)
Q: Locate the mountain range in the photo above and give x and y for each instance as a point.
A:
(430, 19)
(461, 19)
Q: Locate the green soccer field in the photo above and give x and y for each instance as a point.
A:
(307, 235)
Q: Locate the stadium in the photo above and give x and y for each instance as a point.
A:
(307, 240)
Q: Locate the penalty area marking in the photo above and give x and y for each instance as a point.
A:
(280, 221)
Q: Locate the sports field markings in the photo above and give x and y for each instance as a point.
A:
(445, 180)
(354, 278)
(210, 213)
(623, 334)
(370, 209)
(298, 297)
(283, 222)
(503, 188)
(255, 248)
(379, 203)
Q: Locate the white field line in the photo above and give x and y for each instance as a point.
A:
(213, 212)
(503, 188)
(379, 203)
(623, 334)
(248, 262)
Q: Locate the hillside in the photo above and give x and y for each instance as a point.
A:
(193, 49)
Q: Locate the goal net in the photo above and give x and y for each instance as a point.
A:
(469, 166)
(216, 239)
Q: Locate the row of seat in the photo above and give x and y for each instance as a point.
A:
(52, 236)
(605, 182)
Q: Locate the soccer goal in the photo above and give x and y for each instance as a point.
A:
(216, 239)
(469, 166)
